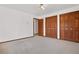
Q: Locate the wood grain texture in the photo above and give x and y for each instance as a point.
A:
(51, 26)
(40, 27)
(69, 26)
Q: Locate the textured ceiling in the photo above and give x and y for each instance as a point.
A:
(36, 10)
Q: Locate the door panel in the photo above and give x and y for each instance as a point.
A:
(40, 27)
(69, 26)
(76, 26)
(62, 18)
(51, 26)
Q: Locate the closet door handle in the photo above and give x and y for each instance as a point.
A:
(76, 32)
(66, 28)
(70, 28)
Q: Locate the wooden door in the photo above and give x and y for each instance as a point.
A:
(40, 27)
(66, 26)
(69, 26)
(76, 26)
(62, 25)
(51, 26)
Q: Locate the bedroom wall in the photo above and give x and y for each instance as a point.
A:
(15, 24)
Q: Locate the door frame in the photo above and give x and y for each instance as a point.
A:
(33, 27)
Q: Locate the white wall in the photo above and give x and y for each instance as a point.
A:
(76, 8)
(14, 24)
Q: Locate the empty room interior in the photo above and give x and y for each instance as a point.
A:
(39, 28)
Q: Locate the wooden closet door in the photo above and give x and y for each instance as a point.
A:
(51, 26)
(66, 26)
(62, 26)
(40, 27)
(76, 26)
(69, 26)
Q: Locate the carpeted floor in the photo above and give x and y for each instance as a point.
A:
(39, 45)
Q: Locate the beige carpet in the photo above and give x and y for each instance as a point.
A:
(39, 45)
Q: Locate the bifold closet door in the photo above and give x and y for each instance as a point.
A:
(69, 26)
(40, 27)
(66, 27)
(51, 26)
(76, 26)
